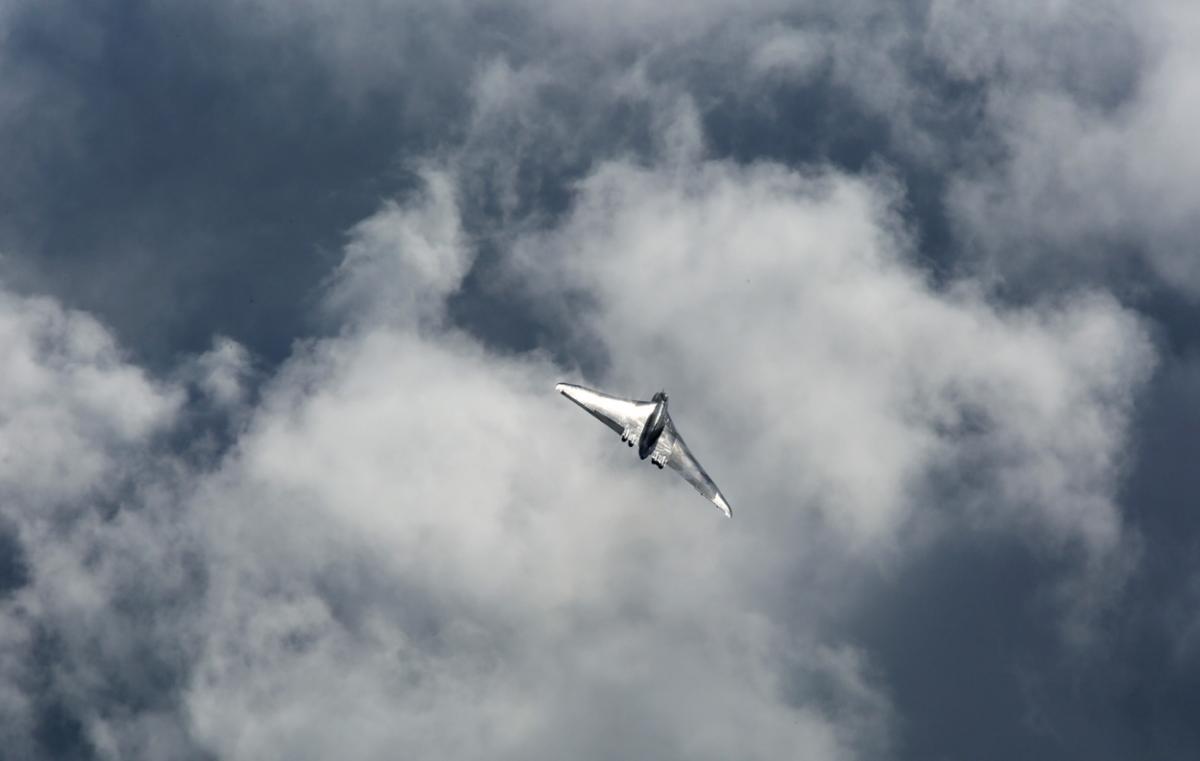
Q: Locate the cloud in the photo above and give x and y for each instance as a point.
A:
(410, 542)
(418, 548)
(789, 304)
(71, 404)
(794, 52)
(79, 424)
(412, 513)
(419, 252)
(223, 372)
(1030, 127)
(358, 519)
(1094, 126)
(384, 558)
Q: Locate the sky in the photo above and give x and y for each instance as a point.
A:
(285, 289)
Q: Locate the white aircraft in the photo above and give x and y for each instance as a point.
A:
(649, 425)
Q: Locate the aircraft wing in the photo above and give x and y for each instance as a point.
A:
(682, 461)
(618, 414)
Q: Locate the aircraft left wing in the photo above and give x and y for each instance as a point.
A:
(618, 414)
(683, 463)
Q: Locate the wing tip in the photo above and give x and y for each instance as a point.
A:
(720, 502)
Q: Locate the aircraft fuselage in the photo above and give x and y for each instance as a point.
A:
(654, 426)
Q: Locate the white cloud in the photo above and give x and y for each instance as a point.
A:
(785, 306)
(70, 403)
(76, 424)
(401, 263)
(414, 544)
(1095, 111)
(419, 544)
(223, 372)
(795, 52)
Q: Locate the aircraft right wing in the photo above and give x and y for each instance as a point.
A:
(686, 465)
(618, 414)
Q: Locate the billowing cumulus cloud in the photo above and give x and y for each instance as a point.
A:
(71, 403)
(789, 305)
(399, 520)
(289, 287)
(79, 424)
(1097, 163)
(411, 542)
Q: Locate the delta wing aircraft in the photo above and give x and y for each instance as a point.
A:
(648, 426)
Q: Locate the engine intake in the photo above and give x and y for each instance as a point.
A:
(629, 435)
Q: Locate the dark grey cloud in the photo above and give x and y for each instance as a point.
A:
(335, 255)
(14, 568)
(185, 171)
(190, 171)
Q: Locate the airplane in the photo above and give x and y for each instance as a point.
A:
(649, 426)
